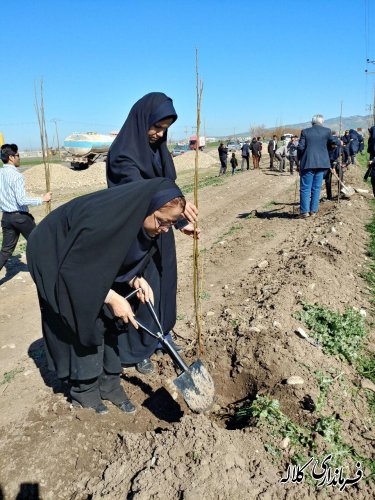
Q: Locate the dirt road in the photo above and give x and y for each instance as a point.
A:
(258, 263)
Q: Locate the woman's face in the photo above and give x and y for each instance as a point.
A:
(156, 131)
(162, 220)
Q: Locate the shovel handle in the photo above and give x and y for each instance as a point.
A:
(338, 178)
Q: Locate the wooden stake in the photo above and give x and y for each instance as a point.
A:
(39, 108)
(197, 274)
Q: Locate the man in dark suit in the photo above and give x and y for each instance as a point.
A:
(272, 146)
(314, 161)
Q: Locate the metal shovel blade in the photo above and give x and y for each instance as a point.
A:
(197, 387)
(347, 191)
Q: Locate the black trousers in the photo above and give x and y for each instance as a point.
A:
(272, 157)
(328, 178)
(13, 224)
(293, 161)
(373, 184)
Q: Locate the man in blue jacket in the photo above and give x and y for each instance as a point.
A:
(314, 161)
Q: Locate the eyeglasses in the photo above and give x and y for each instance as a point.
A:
(178, 224)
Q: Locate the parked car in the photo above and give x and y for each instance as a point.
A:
(180, 150)
(233, 146)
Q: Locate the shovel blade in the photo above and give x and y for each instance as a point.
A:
(347, 191)
(196, 387)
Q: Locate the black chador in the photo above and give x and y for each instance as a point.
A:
(74, 256)
(131, 157)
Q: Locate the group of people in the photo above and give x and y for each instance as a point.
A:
(253, 148)
(88, 255)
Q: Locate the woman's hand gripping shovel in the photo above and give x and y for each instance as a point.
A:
(194, 382)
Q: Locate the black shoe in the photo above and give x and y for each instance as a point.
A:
(145, 366)
(101, 409)
(127, 406)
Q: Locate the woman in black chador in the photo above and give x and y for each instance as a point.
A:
(75, 256)
(140, 152)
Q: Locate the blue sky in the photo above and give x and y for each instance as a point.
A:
(265, 62)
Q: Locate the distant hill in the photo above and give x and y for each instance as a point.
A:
(348, 122)
(355, 121)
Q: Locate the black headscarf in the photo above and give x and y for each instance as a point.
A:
(75, 253)
(131, 156)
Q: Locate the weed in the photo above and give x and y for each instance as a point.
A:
(233, 230)
(204, 295)
(325, 382)
(339, 334)
(366, 367)
(180, 317)
(269, 234)
(204, 182)
(266, 413)
(9, 376)
(270, 204)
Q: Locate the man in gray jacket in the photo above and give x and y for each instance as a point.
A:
(314, 161)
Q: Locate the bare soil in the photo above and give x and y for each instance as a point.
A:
(164, 451)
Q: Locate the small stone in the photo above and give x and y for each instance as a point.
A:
(174, 395)
(295, 380)
(369, 435)
(226, 287)
(312, 286)
(12, 346)
(263, 264)
(215, 408)
(277, 325)
(341, 223)
(285, 443)
(210, 313)
(333, 230)
(254, 329)
(367, 384)
(301, 332)
(27, 373)
(323, 242)
(363, 313)
(223, 242)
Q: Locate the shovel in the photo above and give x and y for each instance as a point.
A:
(346, 190)
(194, 382)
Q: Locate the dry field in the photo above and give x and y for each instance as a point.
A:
(260, 266)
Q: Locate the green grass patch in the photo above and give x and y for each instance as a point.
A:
(341, 335)
(204, 295)
(266, 413)
(9, 376)
(204, 182)
(270, 204)
(269, 234)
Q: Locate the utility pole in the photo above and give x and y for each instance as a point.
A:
(186, 133)
(55, 120)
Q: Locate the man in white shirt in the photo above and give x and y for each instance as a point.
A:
(14, 203)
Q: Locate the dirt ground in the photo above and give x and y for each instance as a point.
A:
(258, 263)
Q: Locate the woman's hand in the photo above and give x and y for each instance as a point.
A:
(189, 230)
(146, 293)
(121, 308)
(190, 212)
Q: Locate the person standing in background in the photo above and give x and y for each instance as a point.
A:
(314, 161)
(272, 146)
(223, 156)
(14, 203)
